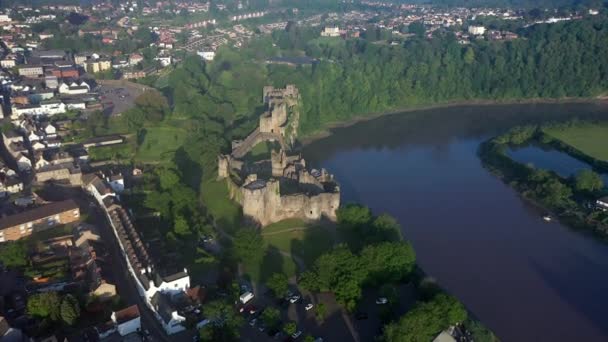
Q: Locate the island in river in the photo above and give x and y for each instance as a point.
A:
(525, 279)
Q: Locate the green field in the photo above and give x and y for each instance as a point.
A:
(299, 238)
(114, 152)
(226, 213)
(261, 151)
(159, 143)
(591, 140)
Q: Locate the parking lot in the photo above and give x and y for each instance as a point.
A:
(118, 96)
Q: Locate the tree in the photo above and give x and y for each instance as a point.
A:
(290, 328)
(44, 305)
(225, 322)
(417, 28)
(278, 283)
(320, 312)
(153, 104)
(13, 254)
(249, 246)
(271, 317)
(588, 181)
(70, 310)
(387, 262)
(426, 320)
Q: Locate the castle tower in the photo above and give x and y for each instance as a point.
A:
(223, 166)
(278, 160)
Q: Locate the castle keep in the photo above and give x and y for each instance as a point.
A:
(281, 187)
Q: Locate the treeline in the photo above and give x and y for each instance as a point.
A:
(356, 77)
(572, 198)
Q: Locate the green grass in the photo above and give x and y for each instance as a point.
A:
(303, 240)
(261, 151)
(226, 212)
(160, 143)
(51, 233)
(591, 140)
(273, 262)
(115, 152)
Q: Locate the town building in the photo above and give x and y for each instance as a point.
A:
(45, 217)
(31, 70)
(476, 30)
(331, 31)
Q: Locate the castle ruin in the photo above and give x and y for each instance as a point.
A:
(281, 187)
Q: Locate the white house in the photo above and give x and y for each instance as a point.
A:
(206, 55)
(477, 30)
(98, 188)
(74, 88)
(50, 130)
(37, 146)
(127, 320)
(164, 61)
(33, 137)
(45, 108)
(23, 163)
(41, 162)
(171, 320)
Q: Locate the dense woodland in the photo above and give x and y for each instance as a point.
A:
(356, 77)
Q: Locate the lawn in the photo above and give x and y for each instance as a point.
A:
(299, 238)
(227, 213)
(160, 143)
(114, 152)
(261, 151)
(591, 140)
(273, 262)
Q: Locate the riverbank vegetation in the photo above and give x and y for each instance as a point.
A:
(573, 198)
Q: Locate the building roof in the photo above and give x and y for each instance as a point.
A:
(38, 213)
(127, 314)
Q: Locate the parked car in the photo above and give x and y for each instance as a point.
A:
(294, 299)
(308, 306)
(296, 334)
(253, 322)
(361, 315)
(381, 301)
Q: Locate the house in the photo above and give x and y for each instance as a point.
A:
(74, 88)
(476, 30)
(103, 141)
(37, 146)
(602, 203)
(331, 31)
(33, 136)
(127, 320)
(171, 320)
(9, 182)
(117, 183)
(40, 162)
(164, 61)
(208, 55)
(50, 130)
(59, 172)
(135, 59)
(20, 225)
(31, 70)
(23, 163)
(97, 187)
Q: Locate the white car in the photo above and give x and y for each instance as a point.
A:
(253, 322)
(296, 334)
(308, 306)
(381, 300)
(294, 299)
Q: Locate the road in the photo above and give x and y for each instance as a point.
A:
(124, 283)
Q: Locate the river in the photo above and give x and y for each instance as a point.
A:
(525, 279)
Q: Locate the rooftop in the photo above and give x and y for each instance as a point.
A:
(38, 213)
(127, 314)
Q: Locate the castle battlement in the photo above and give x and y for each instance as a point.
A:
(280, 187)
